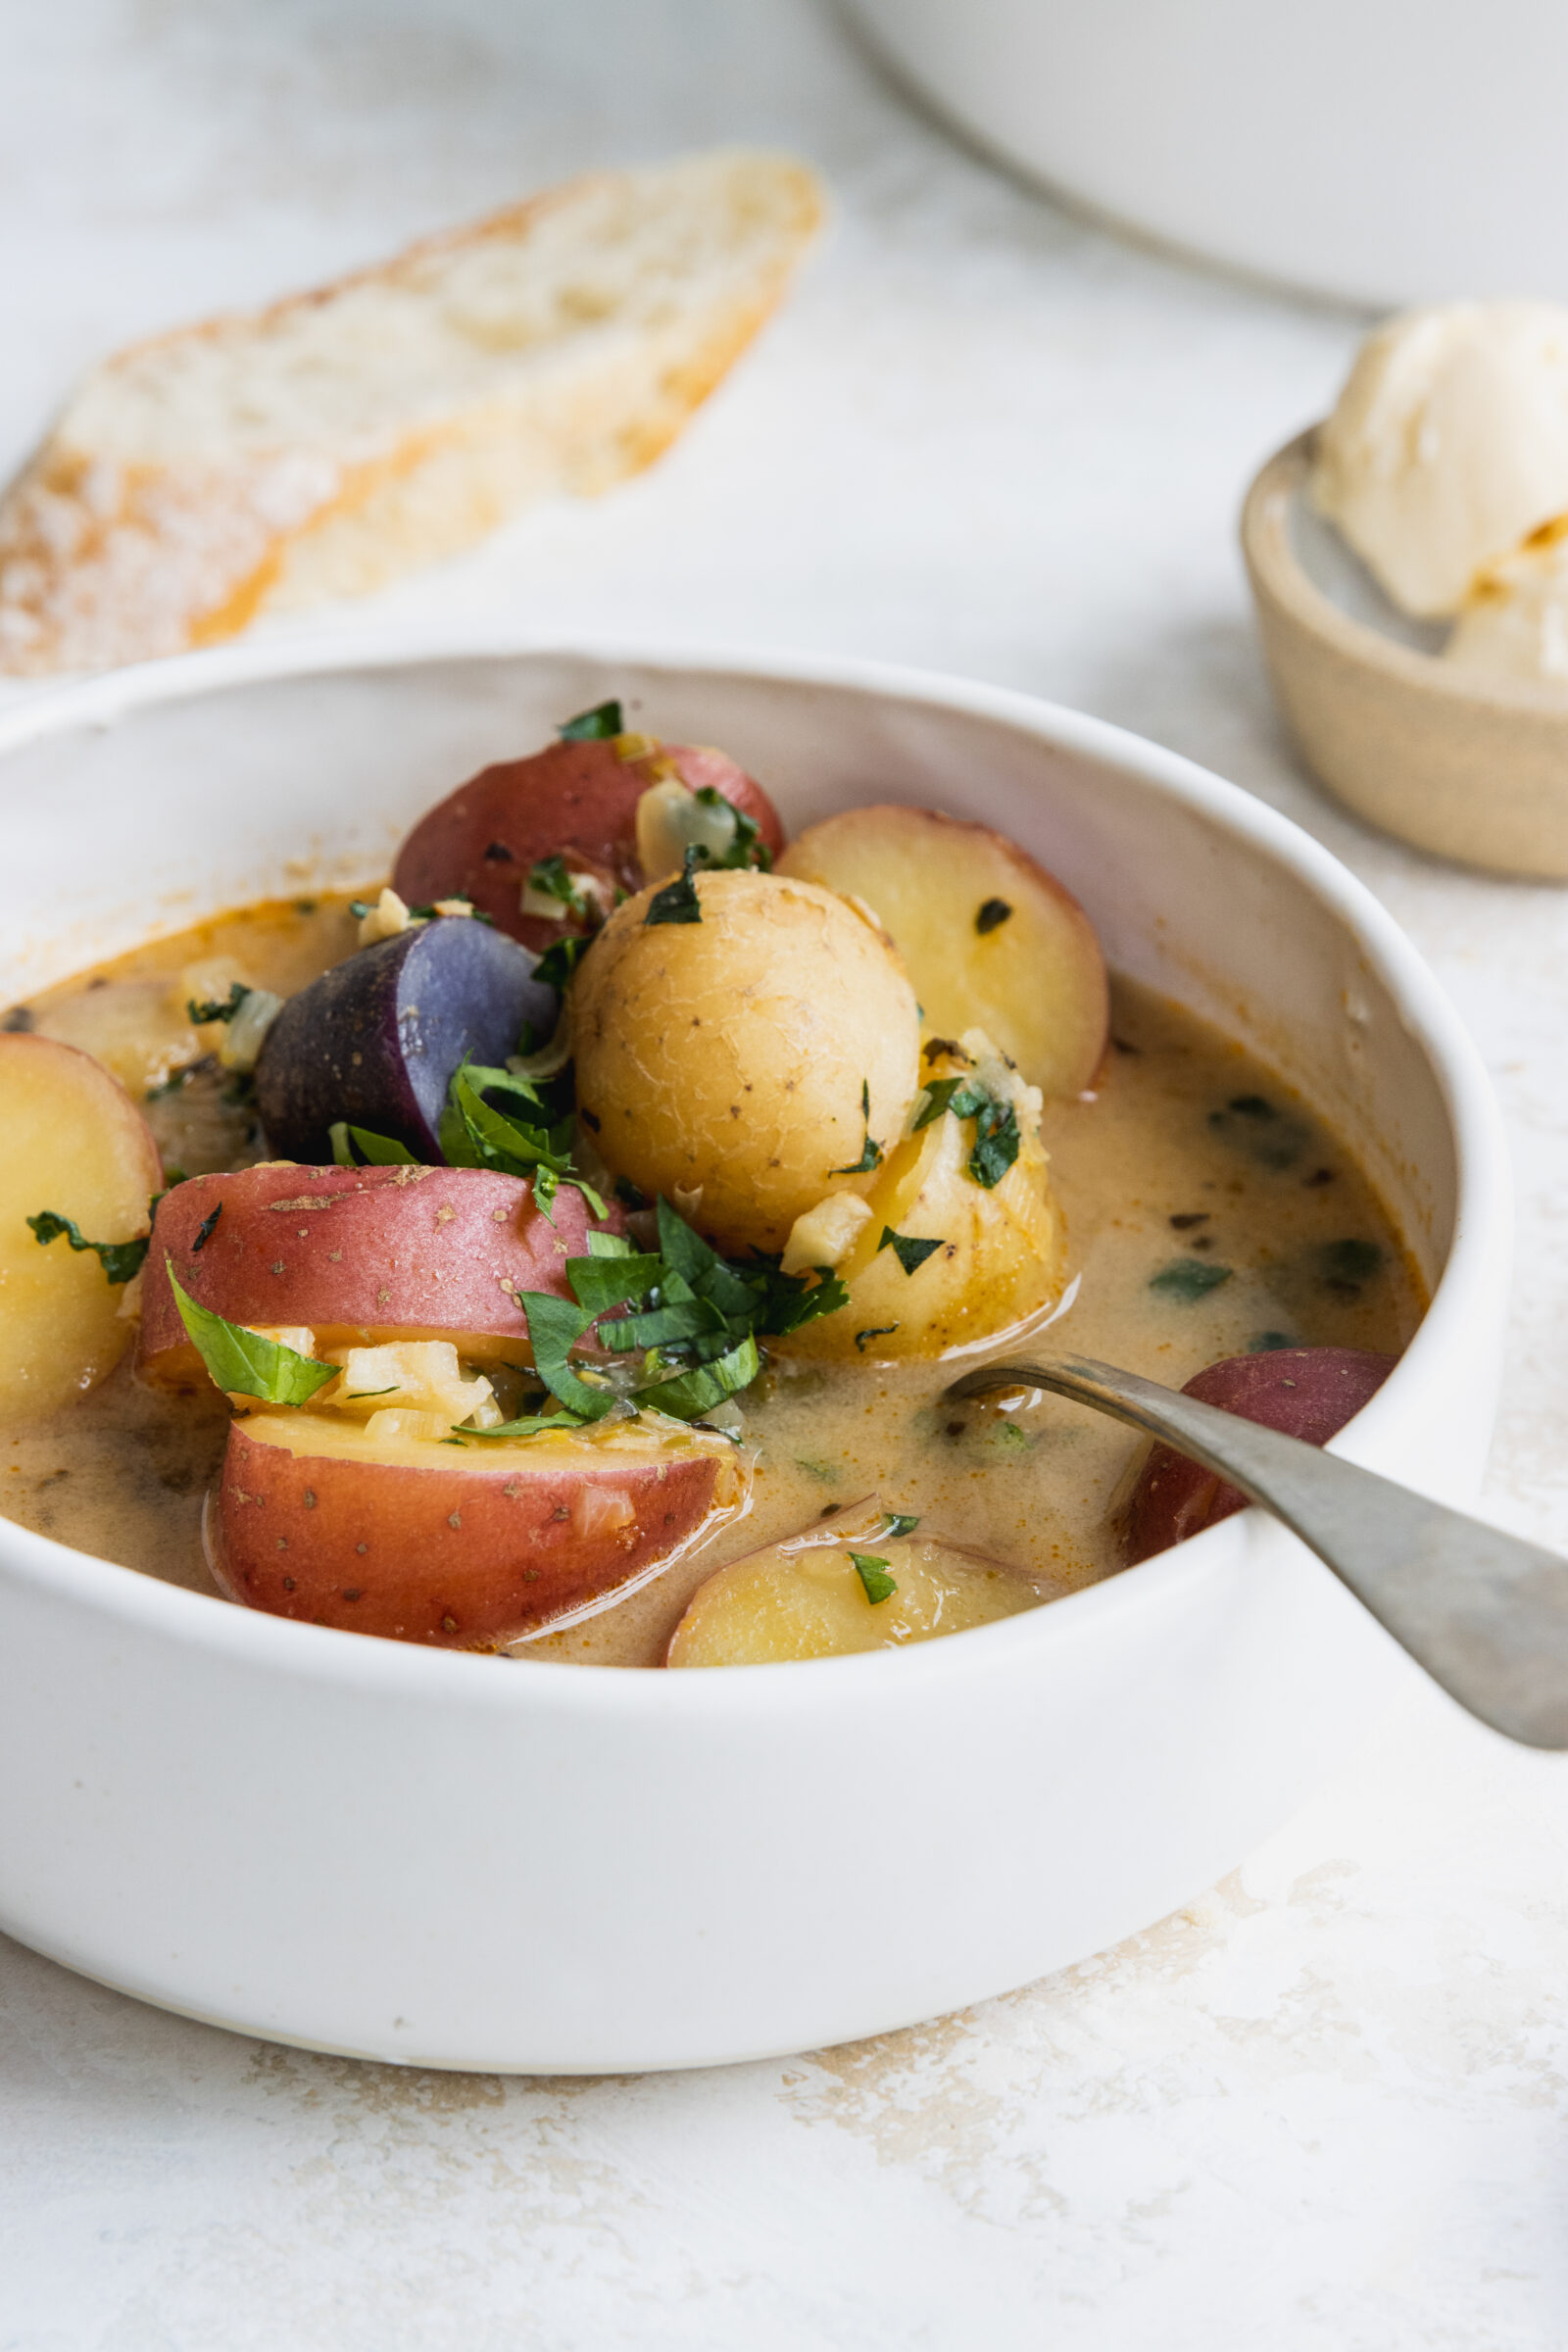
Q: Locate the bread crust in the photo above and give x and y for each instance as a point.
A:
(125, 536)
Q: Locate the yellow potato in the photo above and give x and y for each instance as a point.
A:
(805, 1597)
(1001, 1255)
(74, 1143)
(991, 940)
(744, 1057)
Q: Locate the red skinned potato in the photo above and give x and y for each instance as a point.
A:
(462, 1546)
(429, 1254)
(578, 797)
(1307, 1392)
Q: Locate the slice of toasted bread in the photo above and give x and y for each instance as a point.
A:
(317, 448)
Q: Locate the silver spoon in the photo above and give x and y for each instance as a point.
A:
(1485, 1614)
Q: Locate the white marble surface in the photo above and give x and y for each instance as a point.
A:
(1325, 2110)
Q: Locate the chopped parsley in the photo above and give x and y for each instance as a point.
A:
(475, 1135)
(551, 878)
(899, 1523)
(996, 1143)
(561, 960)
(120, 1260)
(1347, 1264)
(210, 1009)
(745, 846)
(870, 1157)
(910, 1253)
(694, 1319)
(677, 902)
(206, 1230)
(991, 916)
(874, 1331)
(870, 1152)
(996, 1139)
(601, 724)
(356, 1147)
(245, 1363)
(873, 1575)
(1189, 1279)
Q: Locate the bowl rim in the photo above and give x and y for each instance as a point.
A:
(1476, 1265)
(1277, 573)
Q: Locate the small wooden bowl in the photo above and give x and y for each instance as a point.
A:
(1476, 772)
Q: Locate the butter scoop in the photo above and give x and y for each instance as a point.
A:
(1448, 445)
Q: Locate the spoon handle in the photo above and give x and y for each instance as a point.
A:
(1485, 1613)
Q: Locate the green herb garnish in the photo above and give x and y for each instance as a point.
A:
(677, 902)
(245, 1363)
(991, 916)
(899, 1523)
(551, 879)
(910, 1253)
(938, 1096)
(874, 1331)
(1188, 1279)
(206, 1230)
(373, 1150)
(561, 960)
(1350, 1263)
(697, 1391)
(120, 1260)
(475, 1135)
(870, 1157)
(529, 1425)
(598, 725)
(555, 1326)
(1269, 1342)
(996, 1143)
(211, 1010)
(873, 1575)
(745, 846)
(996, 1139)
(695, 1319)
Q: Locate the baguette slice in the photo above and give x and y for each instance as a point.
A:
(321, 447)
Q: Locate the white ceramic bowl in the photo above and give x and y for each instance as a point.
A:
(1371, 149)
(448, 1860)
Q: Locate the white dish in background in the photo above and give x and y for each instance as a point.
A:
(457, 1862)
(1372, 151)
(1466, 766)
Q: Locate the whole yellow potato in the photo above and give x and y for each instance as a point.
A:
(747, 1057)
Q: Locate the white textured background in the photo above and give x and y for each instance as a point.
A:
(1325, 2110)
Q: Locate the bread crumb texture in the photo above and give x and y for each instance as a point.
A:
(318, 448)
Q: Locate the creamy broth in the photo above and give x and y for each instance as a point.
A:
(1208, 1212)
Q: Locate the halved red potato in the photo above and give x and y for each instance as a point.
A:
(76, 1143)
(577, 797)
(358, 1254)
(1307, 1392)
(991, 940)
(807, 1598)
(465, 1546)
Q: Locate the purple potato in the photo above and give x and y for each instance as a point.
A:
(375, 1040)
(1308, 1393)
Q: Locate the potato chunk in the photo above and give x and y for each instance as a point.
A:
(74, 1143)
(991, 940)
(744, 1056)
(388, 1529)
(807, 1598)
(1001, 1250)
